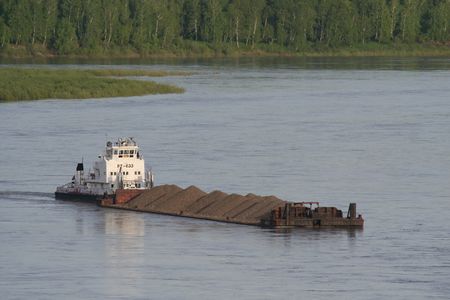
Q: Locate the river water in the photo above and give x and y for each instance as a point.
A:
(370, 131)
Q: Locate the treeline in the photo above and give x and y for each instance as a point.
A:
(90, 26)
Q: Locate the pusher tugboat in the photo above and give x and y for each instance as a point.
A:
(120, 167)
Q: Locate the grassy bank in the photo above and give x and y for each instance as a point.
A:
(206, 50)
(33, 84)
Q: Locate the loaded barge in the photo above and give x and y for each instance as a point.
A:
(119, 180)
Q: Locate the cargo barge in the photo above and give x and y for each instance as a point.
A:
(117, 181)
(264, 211)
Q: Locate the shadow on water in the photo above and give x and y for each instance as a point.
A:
(313, 63)
(315, 233)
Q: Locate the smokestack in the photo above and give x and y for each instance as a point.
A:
(351, 214)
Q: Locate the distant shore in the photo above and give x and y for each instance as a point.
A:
(20, 84)
(202, 50)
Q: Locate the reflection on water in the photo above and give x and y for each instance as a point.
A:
(124, 249)
(124, 224)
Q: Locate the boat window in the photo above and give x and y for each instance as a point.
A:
(112, 185)
(126, 152)
(115, 152)
(112, 173)
(127, 172)
(115, 173)
(139, 172)
(131, 151)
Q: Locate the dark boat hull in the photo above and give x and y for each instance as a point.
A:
(77, 197)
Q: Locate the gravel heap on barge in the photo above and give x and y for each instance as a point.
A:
(266, 211)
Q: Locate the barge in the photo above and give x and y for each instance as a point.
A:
(119, 180)
(251, 209)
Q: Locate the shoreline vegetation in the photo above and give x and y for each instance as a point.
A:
(19, 84)
(205, 50)
(223, 28)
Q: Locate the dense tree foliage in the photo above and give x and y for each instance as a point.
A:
(71, 26)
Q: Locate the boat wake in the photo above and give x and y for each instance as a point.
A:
(25, 195)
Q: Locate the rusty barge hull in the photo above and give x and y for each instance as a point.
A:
(251, 209)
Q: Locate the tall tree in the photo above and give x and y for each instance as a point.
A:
(191, 19)
(20, 21)
(410, 20)
(440, 21)
(89, 30)
(123, 29)
(335, 22)
(253, 11)
(213, 21)
(4, 34)
(49, 14)
(372, 19)
(109, 20)
(294, 22)
(65, 38)
(235, 13)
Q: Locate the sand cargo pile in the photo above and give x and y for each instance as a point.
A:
(195, 203)
(251, 209)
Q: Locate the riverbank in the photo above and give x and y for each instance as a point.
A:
(34, 84)
(205, 50)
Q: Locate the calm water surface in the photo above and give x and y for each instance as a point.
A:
(375, 132)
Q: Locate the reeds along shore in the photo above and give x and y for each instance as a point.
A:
(34, 84)
(202, 50)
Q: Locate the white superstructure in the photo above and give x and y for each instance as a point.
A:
(121, 166)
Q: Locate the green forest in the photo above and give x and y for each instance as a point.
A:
(89, 27)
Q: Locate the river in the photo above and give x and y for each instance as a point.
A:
(371, 131)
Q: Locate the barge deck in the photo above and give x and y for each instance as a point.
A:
(251, 209)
